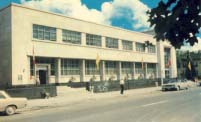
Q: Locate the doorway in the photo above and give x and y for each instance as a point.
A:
(43, 73)
(42, 76)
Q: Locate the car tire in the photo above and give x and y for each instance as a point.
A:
(178, 88)
(10, 110)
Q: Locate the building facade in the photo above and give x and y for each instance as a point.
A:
(58, 49)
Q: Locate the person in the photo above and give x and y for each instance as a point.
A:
(122, 85)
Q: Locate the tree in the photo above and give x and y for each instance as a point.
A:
(178, 21)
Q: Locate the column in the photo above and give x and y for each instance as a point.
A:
(133, 71)
(102, 70)
(82, 71)
(29, 70)
(59, 35)
(145, 73)
(58, 71)
(119, 75)
(173, 63)
(83, 39)
(157, 71)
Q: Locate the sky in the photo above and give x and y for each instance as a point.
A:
(127, 14)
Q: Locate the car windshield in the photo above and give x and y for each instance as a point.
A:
(172, 81)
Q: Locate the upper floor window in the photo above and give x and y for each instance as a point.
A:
(111, 43)
(152, 49)
(127, 45)
(140, 47)
(71, 36)
(44, 32)
(93, 40)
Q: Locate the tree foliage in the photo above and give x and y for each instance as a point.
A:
(178, 21)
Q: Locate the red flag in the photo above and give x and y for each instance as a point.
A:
(168, 63)
(33, 56)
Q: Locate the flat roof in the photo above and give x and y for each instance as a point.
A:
(34, 9)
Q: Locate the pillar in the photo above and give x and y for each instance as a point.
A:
(102, 70)
(133, 71)
(119, 74)
(82, 70)
(58, 71)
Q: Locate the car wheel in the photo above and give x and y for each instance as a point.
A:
(178, 88)
(10, 110)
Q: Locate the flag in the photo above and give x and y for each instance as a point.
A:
(142, 63)
(33, 54)
(97, 62)
(168, 63)
(189, 65)
(33, 61)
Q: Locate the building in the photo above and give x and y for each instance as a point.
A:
(67, 49)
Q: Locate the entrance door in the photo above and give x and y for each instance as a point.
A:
(43, 76)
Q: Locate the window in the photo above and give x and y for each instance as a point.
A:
(71, 36)
(90, 68)
(111, 43)
(138, 68)
(127, 45)
(110, 68)
(93, 40)
(152, 49)
(2, 96)
(44, 32)
(70, 67)
(151, 68)
(50, 61)
(126, 67)
(140, 47)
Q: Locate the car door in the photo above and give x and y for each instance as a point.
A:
(2, 102)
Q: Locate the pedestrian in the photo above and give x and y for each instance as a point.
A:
(122, 85)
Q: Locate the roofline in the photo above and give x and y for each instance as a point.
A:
(61, 15)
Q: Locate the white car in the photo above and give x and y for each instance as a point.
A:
(175, 84)
(9, 104)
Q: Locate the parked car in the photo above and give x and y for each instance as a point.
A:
(9, 105)
(175, 84)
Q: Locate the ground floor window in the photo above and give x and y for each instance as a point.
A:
(70, 67)
(167, 74)
(151, 68)
(110, 67)
(126, 67)
(90, 67)
(139, 69)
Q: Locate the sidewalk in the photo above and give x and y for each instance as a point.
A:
(70, 99)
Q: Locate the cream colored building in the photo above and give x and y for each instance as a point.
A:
(66, 48)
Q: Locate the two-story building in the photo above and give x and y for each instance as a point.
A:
(52, 48)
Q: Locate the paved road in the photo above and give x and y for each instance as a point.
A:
(175, 106)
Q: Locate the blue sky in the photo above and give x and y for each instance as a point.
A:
(125, 21)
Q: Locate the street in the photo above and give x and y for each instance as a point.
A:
(173, 106)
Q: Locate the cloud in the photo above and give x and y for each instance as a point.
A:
(109, 10)
(72, 8)
(136, 8)
(196, 47)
